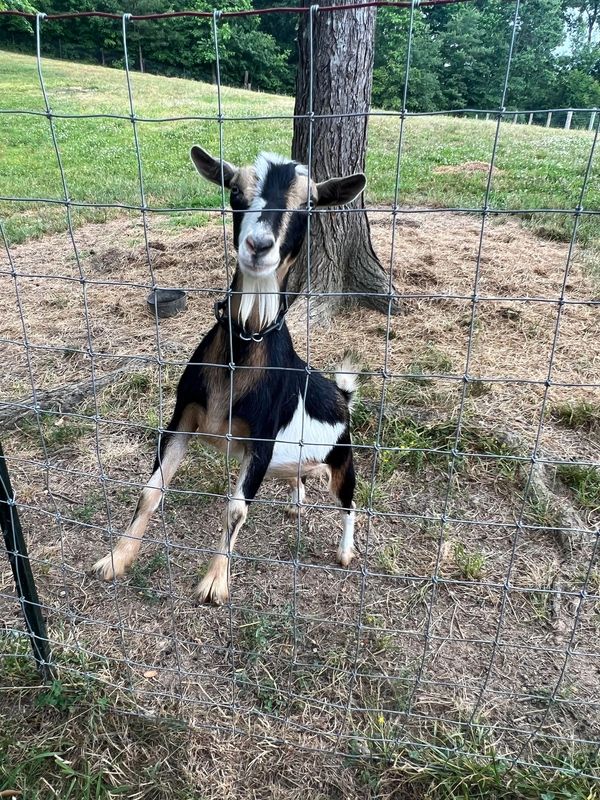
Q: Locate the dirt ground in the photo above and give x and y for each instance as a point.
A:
(464, 606)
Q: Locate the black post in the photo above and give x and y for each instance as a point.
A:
(24, 582)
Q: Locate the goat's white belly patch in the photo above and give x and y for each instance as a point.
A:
(318, 439)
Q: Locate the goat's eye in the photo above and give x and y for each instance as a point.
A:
(235, 190)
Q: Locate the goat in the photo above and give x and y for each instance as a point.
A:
(286, 421)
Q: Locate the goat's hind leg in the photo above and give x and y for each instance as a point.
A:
(172, 449)
(297, 495)
(341, 487)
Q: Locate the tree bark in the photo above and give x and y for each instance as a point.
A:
(341, 255)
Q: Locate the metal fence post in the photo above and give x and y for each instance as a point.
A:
(24, 581)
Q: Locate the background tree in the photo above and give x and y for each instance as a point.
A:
(391, 42)
(16, 28)
(342, 257)
(587, 11)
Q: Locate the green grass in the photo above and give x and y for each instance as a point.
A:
(140, 577)
(264, 652)
(471, 564)
(407, 444)
(584, 482)
(57, 432)
(578, 415)
(466, 767)
(537, 167)
(75, 738)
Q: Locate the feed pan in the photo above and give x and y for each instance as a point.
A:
(168, 302)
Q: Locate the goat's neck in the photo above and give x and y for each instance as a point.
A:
(255, 302)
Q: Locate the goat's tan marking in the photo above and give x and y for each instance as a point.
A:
(125, 551)
(297, 194)
(245, 180)
(283, 268)
(213, 428)
(296, 199)
(346, 551)
(244, 380)
(338, 476)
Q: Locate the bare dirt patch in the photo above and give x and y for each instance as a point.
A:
(468, 166)
(315, 655)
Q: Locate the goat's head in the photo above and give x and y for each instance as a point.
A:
(269, 200)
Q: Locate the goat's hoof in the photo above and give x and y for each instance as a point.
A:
(111, 566)
(344, 557)
(213, 589)
(293, 511)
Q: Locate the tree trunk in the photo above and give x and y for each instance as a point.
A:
(342, 257)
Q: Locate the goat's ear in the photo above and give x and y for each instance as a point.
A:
(339, 191)
(210, 168)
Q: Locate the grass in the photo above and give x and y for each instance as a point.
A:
(90, 506)
(391, 558)
(412, 445)
(466, 767)
(74, 738)
(265, 649)
(141, 573)
(470, 564)
(537, 167)
(57, 432)
(82, 739)
(578, 415)
(584, 482)
(542, 511)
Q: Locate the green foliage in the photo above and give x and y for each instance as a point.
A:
(425, 92)
(172, 47)
(458, 54)
(16, 26)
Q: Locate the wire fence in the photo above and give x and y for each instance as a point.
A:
(472, 611)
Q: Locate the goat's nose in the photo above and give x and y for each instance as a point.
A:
(260, 244)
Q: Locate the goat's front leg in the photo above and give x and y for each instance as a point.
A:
(172, 448)
(214, 586)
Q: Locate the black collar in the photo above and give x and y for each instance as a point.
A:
(239, 331)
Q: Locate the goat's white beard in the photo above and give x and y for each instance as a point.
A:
(264, 291)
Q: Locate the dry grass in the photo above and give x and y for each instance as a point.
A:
(288, 661)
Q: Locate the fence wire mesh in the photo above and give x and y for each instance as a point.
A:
(471, 613)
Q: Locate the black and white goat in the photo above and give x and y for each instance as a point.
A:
(281, 424)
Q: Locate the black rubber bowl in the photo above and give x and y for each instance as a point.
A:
(169, 302)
